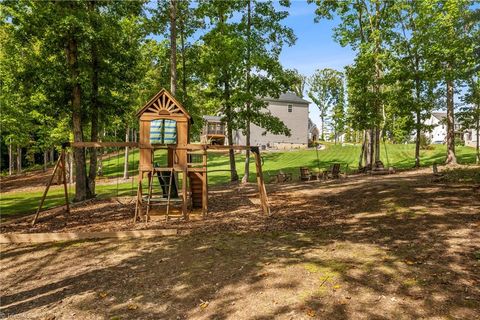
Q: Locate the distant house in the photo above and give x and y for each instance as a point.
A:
(289, 108)
(470, 137)
(438, 125)
(213, 130)
(313, 132)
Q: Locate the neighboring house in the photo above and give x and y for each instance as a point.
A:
(313, 132)
(470, 137)
(438, 125)
(213, 130)
(293, 112)
(289, 108)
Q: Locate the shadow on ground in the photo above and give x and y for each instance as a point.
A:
(399, 247)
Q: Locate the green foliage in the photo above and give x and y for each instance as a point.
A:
(326, 91)
(425, 143)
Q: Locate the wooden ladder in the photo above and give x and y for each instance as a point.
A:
(151, 176)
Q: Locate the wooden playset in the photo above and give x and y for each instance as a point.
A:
(165, 124)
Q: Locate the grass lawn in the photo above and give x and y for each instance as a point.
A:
(399, 156)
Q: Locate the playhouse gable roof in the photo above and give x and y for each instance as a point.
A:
(163, 103)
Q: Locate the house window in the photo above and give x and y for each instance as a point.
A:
(290, 108)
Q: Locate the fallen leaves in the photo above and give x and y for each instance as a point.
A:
(311, 313)
(132, 306)
(204, 304)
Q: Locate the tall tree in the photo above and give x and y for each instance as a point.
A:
(264, 37)
(220, 67)
(297, 82)
(366, 27)
(469, 114)
(449, 49)
(73, 69)
(410, 72)
(173, 47)
(326, 91)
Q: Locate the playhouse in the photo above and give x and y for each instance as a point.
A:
(183, 179)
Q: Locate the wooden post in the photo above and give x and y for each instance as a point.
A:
(138, 205)
(260, 182)
(184, 194)
(204, 183)
(70, 167)
(46, 191)
(150, 186)
(125, 165)
(10, 159)
(64, 172)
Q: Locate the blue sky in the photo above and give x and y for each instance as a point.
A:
(315, 47)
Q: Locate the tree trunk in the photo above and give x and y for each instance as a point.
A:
(451, 158)
(231, 152)
(322, 123)
(173, 47)
(100, 161)
(81, 186)
(125, 165)
(247, 129)
(45, 160)
(417, 140)
(362, 152)
(184, 66)
(370, 147)
(92, 174)
(377, 144)
(70, 167)
(52, 155)
(478, 134)
(10, 159)
(19, 160)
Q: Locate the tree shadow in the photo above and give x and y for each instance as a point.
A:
(399, 247)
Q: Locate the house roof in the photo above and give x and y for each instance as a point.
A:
(212, 118)
(288, 97)
(439, 115)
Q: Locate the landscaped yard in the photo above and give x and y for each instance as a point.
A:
(403, 246)
(24, 197)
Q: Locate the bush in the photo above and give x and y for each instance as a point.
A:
(425, 142)
(459, 141)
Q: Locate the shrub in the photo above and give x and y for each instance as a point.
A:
(425, 142)
(459, 141)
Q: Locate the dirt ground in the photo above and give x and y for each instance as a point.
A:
(403, 246)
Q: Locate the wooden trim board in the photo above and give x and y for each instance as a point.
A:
(72, 236)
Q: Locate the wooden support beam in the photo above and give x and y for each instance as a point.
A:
(184, 194)
(42, 200)
(64, 174)
(189, 146)
(103, 144)
(204, 183)
(260, 182)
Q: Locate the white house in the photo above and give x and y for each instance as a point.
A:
(438, 134)
(470, 137)
(438, 125)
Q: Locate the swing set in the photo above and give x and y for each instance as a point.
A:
(165, 125)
